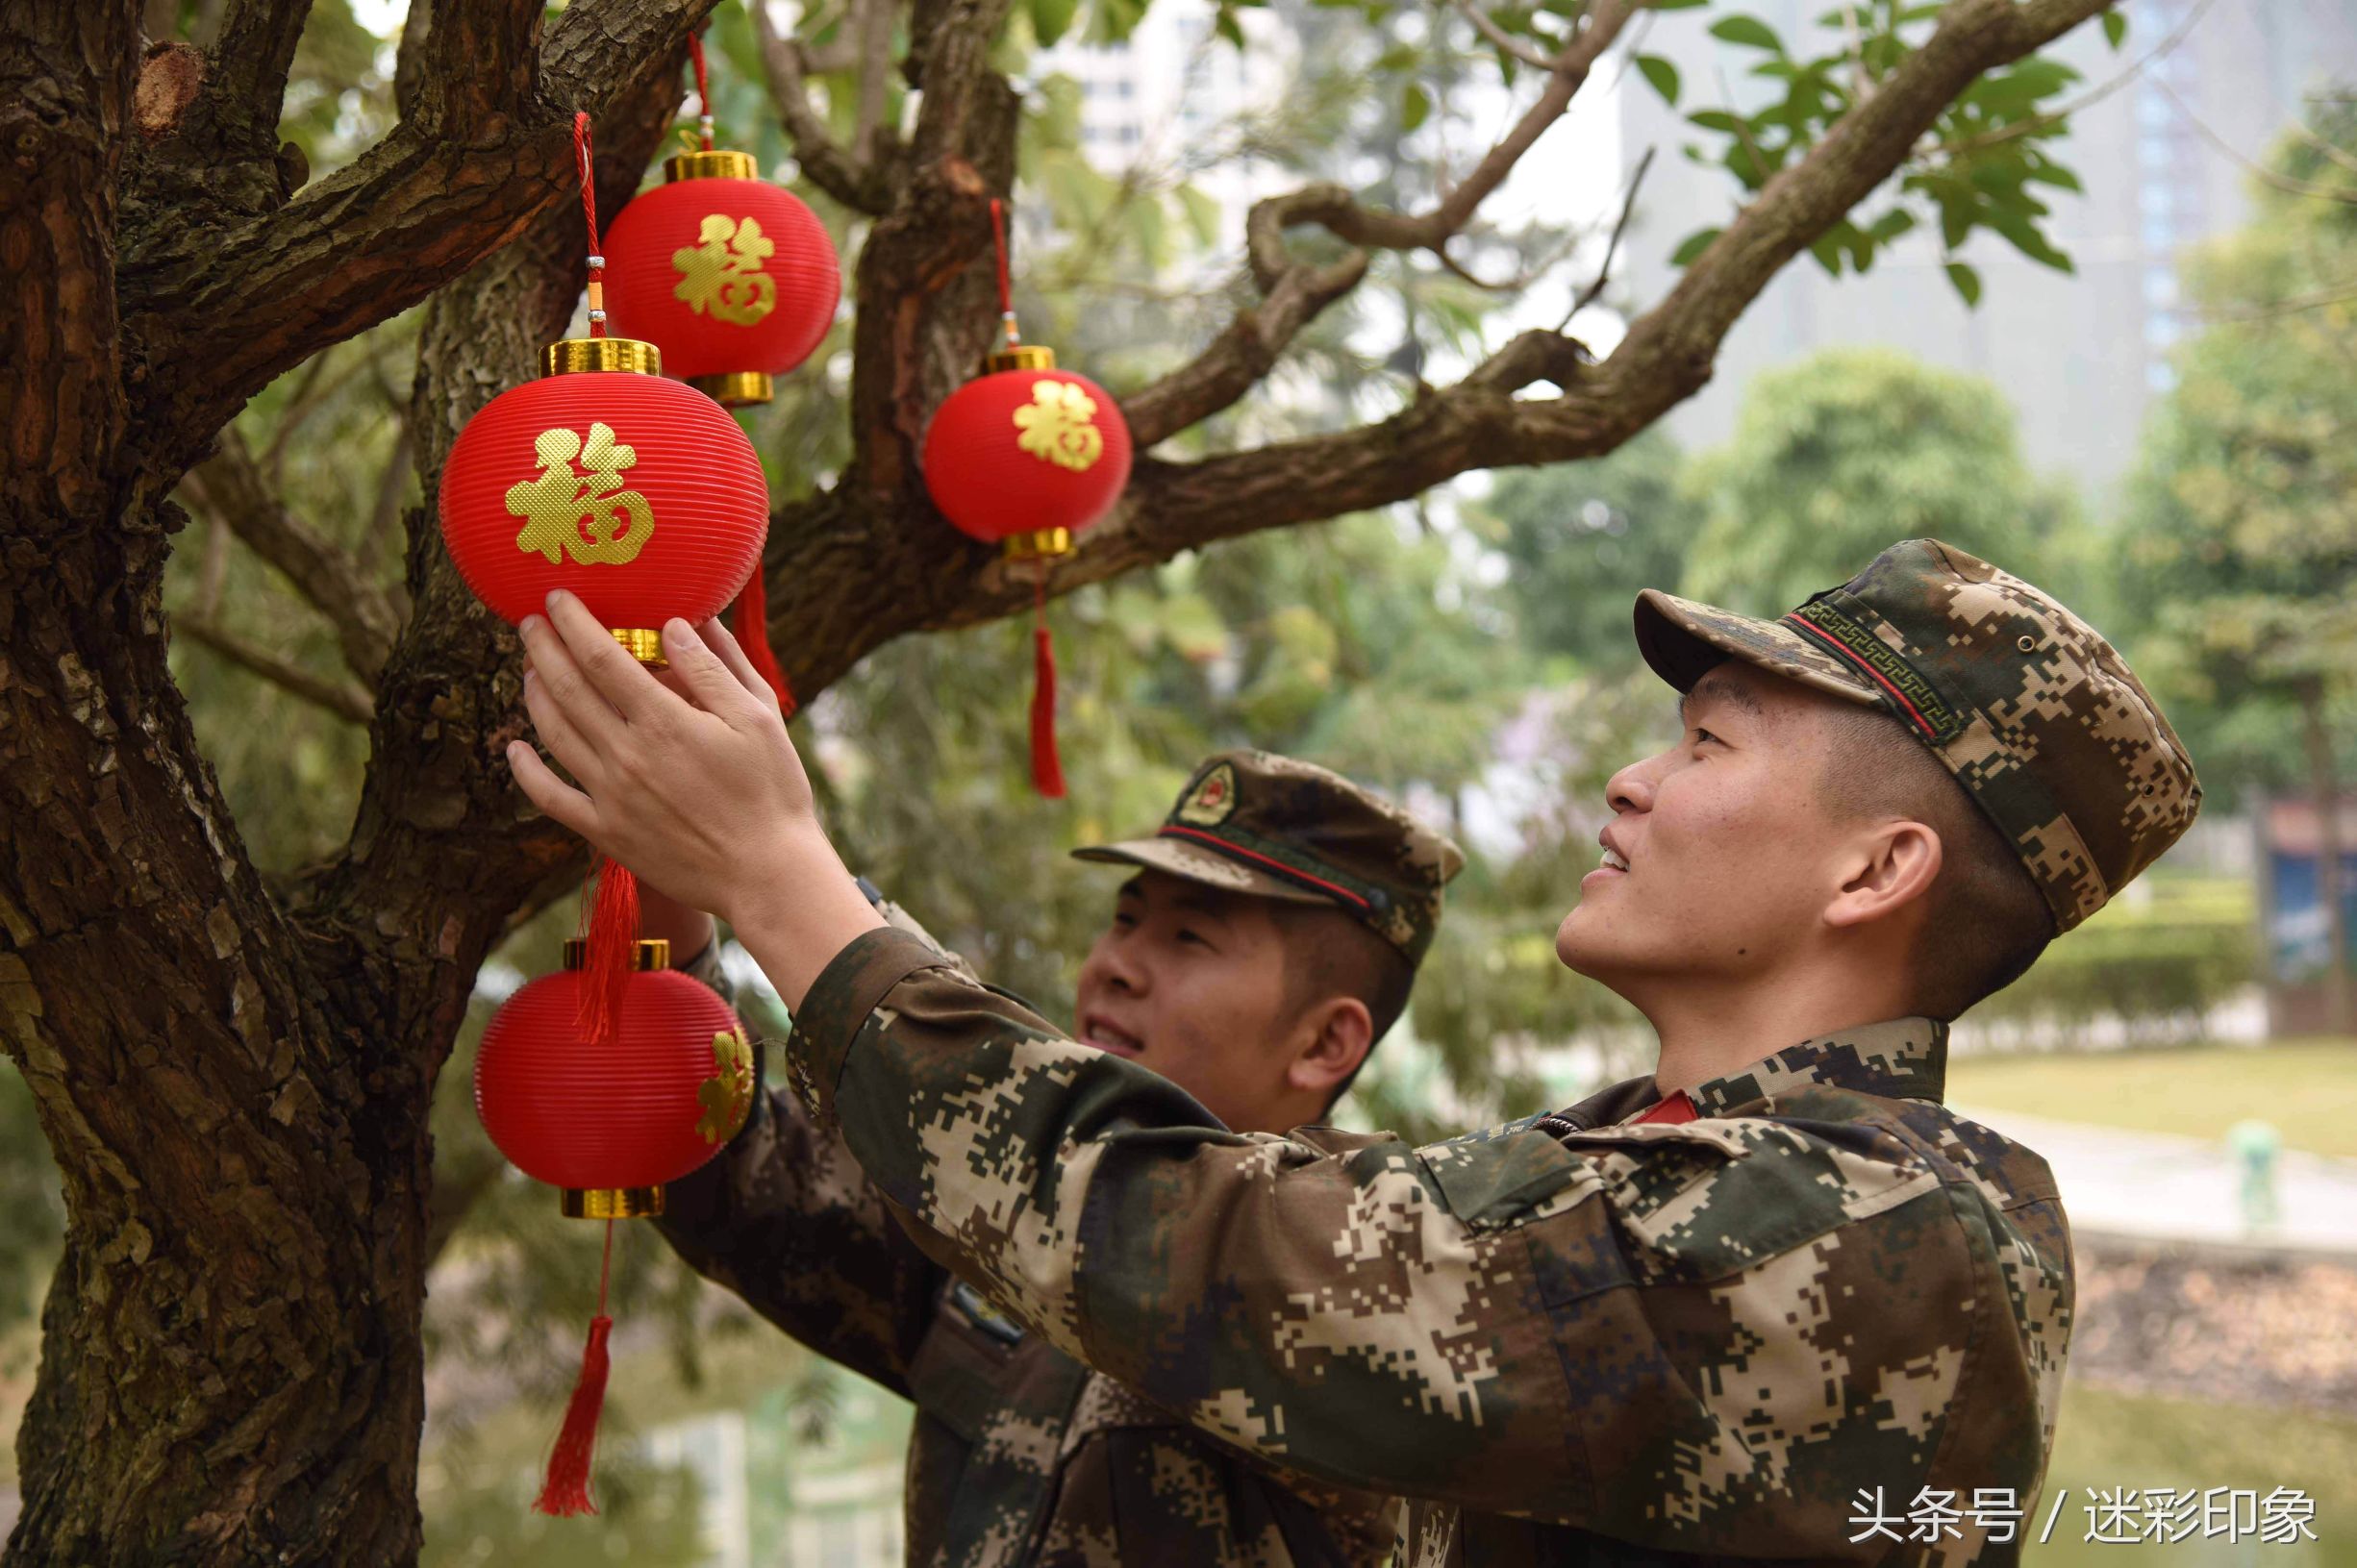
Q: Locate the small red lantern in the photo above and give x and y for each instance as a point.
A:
(1027, 455)
(609, 1122)
(609, 1116)
(733, 278)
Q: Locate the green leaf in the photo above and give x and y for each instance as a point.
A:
(1400, 56)
(1691, 246)
(1229, 28)
(1202, 215)
(2054, 174)
(1050, 17)
(2114, 27)
(1678, 5)
(1966, 281)
(1716, 119)
(1828, 254)
(1889, 226)
(1663, 76)
(1747, 31)
(1414, 105)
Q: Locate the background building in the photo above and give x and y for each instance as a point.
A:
(2204, 80)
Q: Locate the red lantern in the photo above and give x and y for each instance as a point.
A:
(733, 278)
(609, 1121)
(1027, 455)
(635, 493)
(609, 1116)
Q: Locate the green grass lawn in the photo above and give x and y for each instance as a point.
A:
(2308, 1088)
(2125, 1440)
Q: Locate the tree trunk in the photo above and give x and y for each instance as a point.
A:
(2324, 789)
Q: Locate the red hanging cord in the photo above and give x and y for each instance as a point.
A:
(703, 88)
(588, 214)
(1005, 288)
(1046, 766)
(566, 1489)
(753, 637)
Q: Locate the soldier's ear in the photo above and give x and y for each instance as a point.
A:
(1335, 1034)
(1888, 871)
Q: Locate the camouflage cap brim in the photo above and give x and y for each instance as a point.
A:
(1681, 640)
(1195, 863)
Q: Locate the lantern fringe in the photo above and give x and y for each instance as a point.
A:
(753, 635)
(1046, 766)
(612, 939)
(565, 1491)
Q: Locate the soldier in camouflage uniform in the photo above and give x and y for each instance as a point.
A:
(1717, 1315)
(1271, 878)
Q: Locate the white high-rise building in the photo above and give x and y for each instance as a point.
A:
(2081, 357)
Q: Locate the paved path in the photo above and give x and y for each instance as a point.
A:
(2183, 1189)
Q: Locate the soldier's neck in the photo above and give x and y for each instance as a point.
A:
(1708, 1030)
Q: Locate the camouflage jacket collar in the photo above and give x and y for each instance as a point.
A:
(1902, 1058)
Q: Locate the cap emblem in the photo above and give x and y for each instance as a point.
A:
(1213, 799)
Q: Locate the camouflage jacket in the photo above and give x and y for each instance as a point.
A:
(1019, 1453)
(1572, 1339)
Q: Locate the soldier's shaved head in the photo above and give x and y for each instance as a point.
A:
(1985, 921)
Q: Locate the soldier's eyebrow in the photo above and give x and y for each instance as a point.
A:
(1715, 686)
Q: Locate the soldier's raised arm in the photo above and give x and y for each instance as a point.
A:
(1638, 1329)
(785, 1217)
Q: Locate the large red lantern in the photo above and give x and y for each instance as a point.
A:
(609, 1121)
(733, 278)
(1026, 457)
(638, 495)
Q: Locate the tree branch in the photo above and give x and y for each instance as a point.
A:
(1628, 203)
(1294, 292)
(856, 182)
(340, 698)
(231, 487)
(217, 311)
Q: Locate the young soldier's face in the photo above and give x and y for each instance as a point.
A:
(1191, 982)
(1719, 861)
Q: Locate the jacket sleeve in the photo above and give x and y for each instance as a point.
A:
(785, 1217)
(1612, 1331)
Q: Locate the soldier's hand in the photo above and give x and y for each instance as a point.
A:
(692, 783)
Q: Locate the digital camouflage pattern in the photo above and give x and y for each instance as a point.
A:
(1020, 1454)
(2034, 712)
(1258, 823)
(1569, 1340)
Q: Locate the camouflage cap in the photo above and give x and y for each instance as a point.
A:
(2033, 712)
(1257, 823)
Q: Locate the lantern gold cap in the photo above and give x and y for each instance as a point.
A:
(1022, 357)
(1041, 544)
(612, 1203)
(572, 354)
(734, 388)
(710, 165)
(654, 953)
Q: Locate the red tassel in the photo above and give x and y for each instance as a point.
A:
(753, 637)
(566, 1490)
(1046, 767)
(613, 951)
